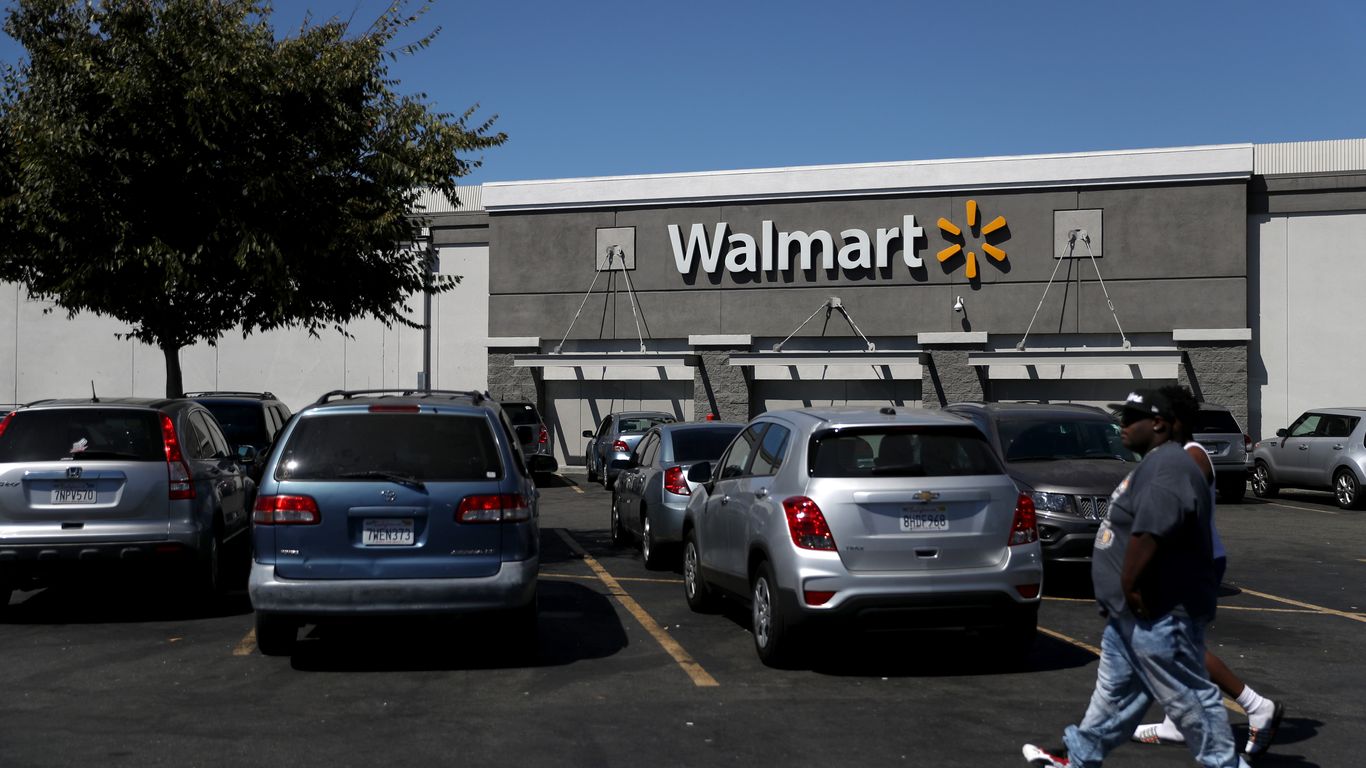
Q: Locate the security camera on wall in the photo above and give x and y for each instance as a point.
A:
(958, 304)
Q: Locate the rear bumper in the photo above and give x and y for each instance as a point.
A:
(1066, 539)
(666, 521)
(23, 561)
(513, 586)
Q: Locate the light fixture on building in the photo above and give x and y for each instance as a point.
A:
(958, 305)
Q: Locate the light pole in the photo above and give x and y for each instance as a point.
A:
(429, 267)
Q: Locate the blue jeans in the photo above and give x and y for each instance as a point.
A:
(1145, 660)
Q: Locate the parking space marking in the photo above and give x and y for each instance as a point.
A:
(1309, 606)
(246, 645)
(1249, 608)
(1304, 509)
(1229, 704)
(618, 578)
(699, 676)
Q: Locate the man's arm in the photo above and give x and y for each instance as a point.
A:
(1142, 547)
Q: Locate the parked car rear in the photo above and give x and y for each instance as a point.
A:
(532, 434)
(615, 440)
(1324, 449)
(248, 419)
(881, 518)
(395, 503)
(118, 482)
(651, 492)
(1229, 450)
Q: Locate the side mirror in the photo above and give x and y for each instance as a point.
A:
(700, 472)
(588, 433)
(1282, 433)
(247, 454)
(540, 462)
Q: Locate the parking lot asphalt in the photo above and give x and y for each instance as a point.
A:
(125, 672)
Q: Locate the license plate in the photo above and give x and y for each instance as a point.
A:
(73, 493)
(917, 522)
(388, 532)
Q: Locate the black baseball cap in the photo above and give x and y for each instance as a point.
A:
(1148, 402)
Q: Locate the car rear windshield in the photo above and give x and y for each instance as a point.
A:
(521, 414)
(1054, 439)
(83, 433)
(422, 446)
(641, 423)
(1216, 421)
(243, 423)
(702, 443)
(901, 452)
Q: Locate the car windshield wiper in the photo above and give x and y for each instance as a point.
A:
(384, 474)
(106, 455)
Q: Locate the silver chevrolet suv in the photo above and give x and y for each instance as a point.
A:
(876, 518)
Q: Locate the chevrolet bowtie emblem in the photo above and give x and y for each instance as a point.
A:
(925, 496)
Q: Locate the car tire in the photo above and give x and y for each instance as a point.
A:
(214, 574)
(774, 639)
(6, 591)
(1232, 491)
(701, 598)
(614, 524)
(275, 635)
(1263, 485)
(592, 475)
(1347, 490)
(651, 552)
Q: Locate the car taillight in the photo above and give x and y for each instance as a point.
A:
(286, 510)
(393, 409)
(5, 423)
(620, 446)
(1247, 444)
(806, 524)
(814, 597)
(675, 482)
(1025, 528)
(493, 508)
(177, 470)
(545, 436)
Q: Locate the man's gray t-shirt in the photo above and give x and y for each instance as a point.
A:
(1165, 496)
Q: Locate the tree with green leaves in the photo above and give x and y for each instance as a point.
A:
(176, 165)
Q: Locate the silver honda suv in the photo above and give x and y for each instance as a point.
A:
(876, 518)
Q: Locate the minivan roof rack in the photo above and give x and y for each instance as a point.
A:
(347, 394)
(230, 392)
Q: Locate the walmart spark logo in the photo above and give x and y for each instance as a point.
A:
(954, 235)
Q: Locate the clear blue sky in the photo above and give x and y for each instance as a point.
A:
(593, 88)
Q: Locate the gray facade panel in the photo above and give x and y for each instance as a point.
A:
(1196, 230)
(604, 315)
(544, 253)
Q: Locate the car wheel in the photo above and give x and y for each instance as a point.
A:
(773, 637)
(650, 551)
(618, 533)
(275, 635)
(701, 599)
(5, 592)
(592, 475)
(213, 579)
(1232, 491)
(1347, 489)
(1262, 484)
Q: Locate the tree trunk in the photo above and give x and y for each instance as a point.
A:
(175, 386)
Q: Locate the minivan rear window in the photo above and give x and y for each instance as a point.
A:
(242, 423)
(702, 443)
(83, 433)
(901, 452)
(521, 414)
(1216, 421)
(423, 446)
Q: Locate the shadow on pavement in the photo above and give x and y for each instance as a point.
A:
(575, 623)
(115, 598)
(1293, 731)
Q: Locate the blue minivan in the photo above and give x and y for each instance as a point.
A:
(384, 502)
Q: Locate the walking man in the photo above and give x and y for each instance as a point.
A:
(1153, 573)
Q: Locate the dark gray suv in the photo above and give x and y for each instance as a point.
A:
(118, 482)
(1068, 458)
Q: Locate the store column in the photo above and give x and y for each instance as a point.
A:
(1214, 366)
(509, 382)
(947, 377)
(718, 387)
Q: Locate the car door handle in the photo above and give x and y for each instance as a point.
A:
(1337, 447)
(725, 499)
(1304, 447)
(762, 492)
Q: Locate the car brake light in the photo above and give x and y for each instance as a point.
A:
(286, 510)
(177, 470)
(675, 482)
(393, 409)
(1024, 529)
(1247, 444)
(493, 508)
(6, 421)
(620, 446)
(806, 524)
(545, 436)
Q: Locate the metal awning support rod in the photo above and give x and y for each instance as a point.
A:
(1087, 239)
(630, 292)
(1071, 245)
(829, 305)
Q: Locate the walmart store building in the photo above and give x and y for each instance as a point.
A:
(1234, 269)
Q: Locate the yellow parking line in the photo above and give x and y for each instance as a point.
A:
(1310, 606)
(247, 644)
(695, 671)
(1229, 704)
(1249, 608)
(545, 575)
